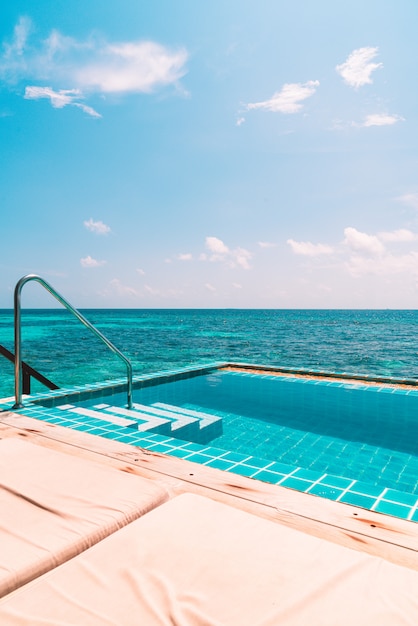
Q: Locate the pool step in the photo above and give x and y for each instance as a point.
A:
(164, 419)
(113, 419)
(210, 426)
(143, 421)
(182, 426)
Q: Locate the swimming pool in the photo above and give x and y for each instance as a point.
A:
(367, 432)
(351, 441)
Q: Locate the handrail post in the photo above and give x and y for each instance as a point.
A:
(18, 343)
(18, 339)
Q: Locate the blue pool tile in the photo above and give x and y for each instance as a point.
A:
(269, 477)
(220, 464)
(244, 470)
(180, 453)
(331, 493)
(236, 457)
(161, 447)
(132, 439)
(296, 483)
(401, 497)
(281, 468)
(260, 463)
(192, 447)
(391, 508)
(199, 458)
(366, 489)
(336, 481)
(357, 499)
(306, 474)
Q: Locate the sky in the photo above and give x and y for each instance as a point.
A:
(222, 154)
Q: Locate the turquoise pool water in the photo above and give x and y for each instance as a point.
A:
(366, 432)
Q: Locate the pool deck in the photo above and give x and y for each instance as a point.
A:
(390, 538)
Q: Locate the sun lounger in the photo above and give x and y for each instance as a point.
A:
(196, 562)
(54, 505)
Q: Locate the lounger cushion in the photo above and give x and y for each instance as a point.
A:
(54, 505)
(195, 562)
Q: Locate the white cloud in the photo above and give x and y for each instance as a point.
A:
(382, 119)
(210, 287)
(306, 248)
(140, 271)
(241, 257)
(357, 69)
(402, 235)
(410, 199)
(266, 244)
(362, 242)
(93, 66)
(97, 227)
(60, 99)
(221, 253)
(236, 286)
(362, 254)
(216, 246)
(131, 67)
(185, 257)
(88, 261)
(240, 121)
(368, 255)
(15, 49)
(288, 99)
(388, 264)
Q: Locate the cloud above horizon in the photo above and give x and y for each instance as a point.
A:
(359, 253)
(381, 119)
(89, 262)
(93, 66)
(219, 252)
(288, 99)
(97, 227)
(60, 99)
(306, 248)
(356, 71)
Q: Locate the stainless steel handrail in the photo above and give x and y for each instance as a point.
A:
(81, 318)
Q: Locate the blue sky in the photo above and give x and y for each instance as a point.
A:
(210, 154)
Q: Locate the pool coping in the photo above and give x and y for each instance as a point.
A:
(388, 501)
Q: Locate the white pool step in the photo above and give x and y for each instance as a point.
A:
(205, 419)
(178, 420)
(161, 421)
(210, 426)
(113, 419)
(144, 421)
(165, 419)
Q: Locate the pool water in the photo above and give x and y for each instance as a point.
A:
(361, 431)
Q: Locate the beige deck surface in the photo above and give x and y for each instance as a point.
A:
(196, 562)
(53, 506)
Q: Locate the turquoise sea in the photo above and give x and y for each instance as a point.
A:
(375, 342)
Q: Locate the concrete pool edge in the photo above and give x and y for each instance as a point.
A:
(389, 537)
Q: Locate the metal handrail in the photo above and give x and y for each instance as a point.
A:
(81, 318)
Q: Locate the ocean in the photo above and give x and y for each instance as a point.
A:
(373, 342)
